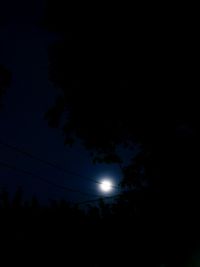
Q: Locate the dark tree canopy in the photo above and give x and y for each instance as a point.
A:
(125, 78)
(131, 78)
(124, 81)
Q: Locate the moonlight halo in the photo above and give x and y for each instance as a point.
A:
(106, 185)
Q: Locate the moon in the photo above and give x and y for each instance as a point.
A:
(106, 185)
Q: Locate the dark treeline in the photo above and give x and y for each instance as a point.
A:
(113, 234)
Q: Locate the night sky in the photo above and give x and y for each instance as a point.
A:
(24, 51)
(155, 218)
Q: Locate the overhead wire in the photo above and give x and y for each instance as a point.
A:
(62, 169)
(41, 178)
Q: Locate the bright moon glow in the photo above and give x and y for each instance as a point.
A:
(106, 185)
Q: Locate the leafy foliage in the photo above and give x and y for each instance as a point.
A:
(119, 87)
(123, 80)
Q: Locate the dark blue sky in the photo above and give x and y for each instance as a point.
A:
(23, 49)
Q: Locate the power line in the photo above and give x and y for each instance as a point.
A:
(13, 167)
(30, 155)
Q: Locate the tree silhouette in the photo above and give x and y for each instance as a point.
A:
(17, 200)
(4, 197)
(123, 81)
(120, 91)
(66, 233)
